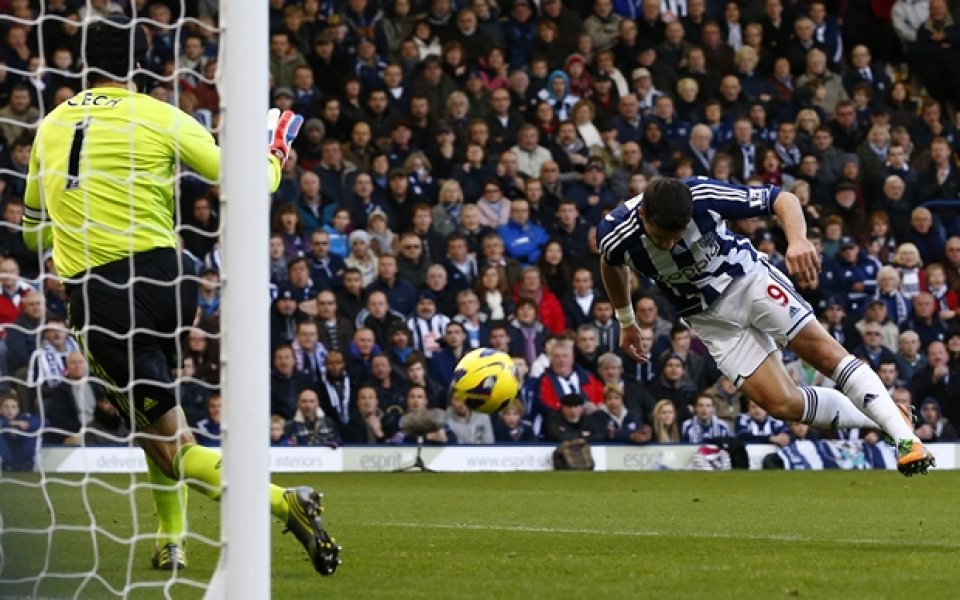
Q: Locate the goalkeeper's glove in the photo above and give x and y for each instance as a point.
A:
(282, 129)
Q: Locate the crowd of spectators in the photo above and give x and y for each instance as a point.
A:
(454, 162)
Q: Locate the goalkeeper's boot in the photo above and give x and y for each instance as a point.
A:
(909, 415)
(913, 457)
(170, 557)
(305, 523)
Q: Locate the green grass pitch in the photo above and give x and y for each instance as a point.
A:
(533, 535)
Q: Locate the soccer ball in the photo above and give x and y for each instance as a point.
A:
(485, 380)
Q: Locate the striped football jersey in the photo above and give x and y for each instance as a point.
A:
(709, 256)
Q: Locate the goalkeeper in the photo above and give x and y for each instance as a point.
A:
(100, 192)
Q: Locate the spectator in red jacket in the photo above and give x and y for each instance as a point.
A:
(563, 377)
(12, 291)
(551, 312)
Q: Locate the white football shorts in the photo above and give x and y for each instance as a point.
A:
(755, 316)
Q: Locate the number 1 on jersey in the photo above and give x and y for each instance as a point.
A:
(73, 167)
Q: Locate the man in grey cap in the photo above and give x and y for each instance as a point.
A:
(872, 351)
(283, 98)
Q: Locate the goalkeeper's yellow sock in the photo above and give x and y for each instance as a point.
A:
(278, 504)
(201, 468)
(170, 500)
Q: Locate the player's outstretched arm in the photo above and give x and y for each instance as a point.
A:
(199, 150)
(616, 280)
(802, 259)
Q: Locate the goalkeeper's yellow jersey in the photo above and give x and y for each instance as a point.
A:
(102, 175)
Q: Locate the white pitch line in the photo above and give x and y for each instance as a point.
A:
(653, 533)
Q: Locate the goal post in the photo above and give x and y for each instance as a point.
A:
(55, 540)
(244, 567)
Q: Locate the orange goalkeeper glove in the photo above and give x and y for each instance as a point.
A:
(282, 129)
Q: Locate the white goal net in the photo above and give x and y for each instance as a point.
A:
(92, 534)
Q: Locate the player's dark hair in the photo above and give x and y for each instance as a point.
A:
(668, 204)
(114, 47)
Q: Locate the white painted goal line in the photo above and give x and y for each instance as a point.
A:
(654, 533)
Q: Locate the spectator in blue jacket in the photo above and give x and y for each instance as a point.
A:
(278, 431)
(593, 193)
(826, 30)
(400, 293)
(326, 268)
(856, 275)
(443, 363)
(519, 31)
(523, 240)
(208, 430)
(511, 428)
(924, 233)
(310, 202)
(18, 447)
